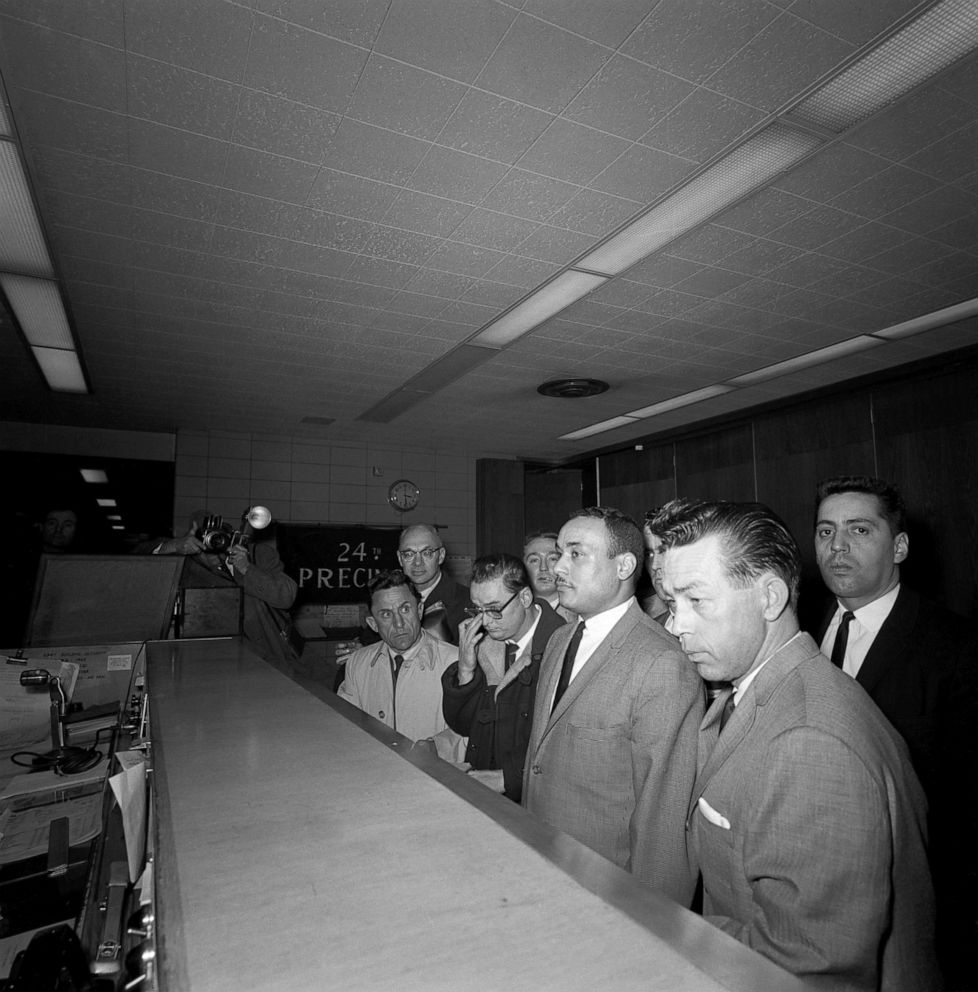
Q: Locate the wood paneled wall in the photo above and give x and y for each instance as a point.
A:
(920, 433)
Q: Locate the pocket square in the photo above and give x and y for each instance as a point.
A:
(717, 819)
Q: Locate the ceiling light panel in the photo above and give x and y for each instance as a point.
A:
(925, 47)
(38, 308)
(810, 360)
(556, 295)
(605, 425)
(61, 369)
(22, 248)
(687, 399)
(753, 165)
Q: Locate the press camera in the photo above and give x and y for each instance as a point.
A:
(218, 535)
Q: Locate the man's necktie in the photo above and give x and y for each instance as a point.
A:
(727, 712)
(396, 663)
(510, 656)
(842, 639)
(568, 666)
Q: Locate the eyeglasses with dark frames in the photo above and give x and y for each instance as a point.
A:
(492, 612)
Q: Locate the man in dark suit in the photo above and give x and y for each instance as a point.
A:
(422, 554)
(806, 820)
(612, 752)
(488, 693)
(919, 663)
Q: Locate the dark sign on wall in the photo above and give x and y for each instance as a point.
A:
(334, 563)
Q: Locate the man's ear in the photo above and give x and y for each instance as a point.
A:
(372, 624)
(441, 554)
(775, 596)
(627, 563)
(901, 547)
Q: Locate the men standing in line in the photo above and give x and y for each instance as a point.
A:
(398, 680)
(919, 663)
(443, 600)
(806, 820)
(489, 693)
(540, 554)
(612, 752)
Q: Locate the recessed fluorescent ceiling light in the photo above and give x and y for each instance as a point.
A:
(925, 47)
(548, 300)
(118, 527)
(105, 502)
(113, 516)
(687, 399)
(747, 168)
(939, 318)
(22, 247)
(61, 369)
(37, 305)
(605, 425)
(813, 358)
(95, 475)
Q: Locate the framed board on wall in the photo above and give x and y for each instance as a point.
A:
(332, 563)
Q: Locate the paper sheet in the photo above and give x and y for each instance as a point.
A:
(26, 831)
(129, 787)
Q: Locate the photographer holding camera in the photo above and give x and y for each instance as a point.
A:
(255, 566)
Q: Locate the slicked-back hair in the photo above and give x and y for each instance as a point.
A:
(624, 534)
(753, 540)
(550, 535)
(509, 568)
(661, 517)
(389, 578)
(892, 508)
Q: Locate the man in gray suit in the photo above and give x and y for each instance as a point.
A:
(612, 753)
(806, 820)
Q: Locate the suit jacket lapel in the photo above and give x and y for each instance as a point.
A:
(781, 664)
(592, 666)
(891, 641)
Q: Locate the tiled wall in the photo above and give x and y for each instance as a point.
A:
(304, 481)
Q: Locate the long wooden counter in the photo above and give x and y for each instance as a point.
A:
(298, 849)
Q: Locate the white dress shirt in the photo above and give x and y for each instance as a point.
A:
(862, 630)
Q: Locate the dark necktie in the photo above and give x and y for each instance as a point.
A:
(510, 656)
(727, 712)
(568, 666)
(396, 663)
(842, 639)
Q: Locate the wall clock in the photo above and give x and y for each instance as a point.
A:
(403, 495)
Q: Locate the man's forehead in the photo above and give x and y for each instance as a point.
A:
(582, 530)
(488, 592)
(850, 506)
(540, 546)
(389, 597)
(419, 537)
(696, 563)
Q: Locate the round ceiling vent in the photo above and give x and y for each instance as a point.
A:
(572, 389)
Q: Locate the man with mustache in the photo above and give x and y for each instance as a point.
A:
(612, 752)
(918, 662)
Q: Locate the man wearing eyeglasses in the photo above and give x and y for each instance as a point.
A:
(489, 691)
(421, 554)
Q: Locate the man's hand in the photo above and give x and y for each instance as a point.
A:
(186, 545)
(343, 648)
(492, 778)
(470, 632)
(238, 559)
